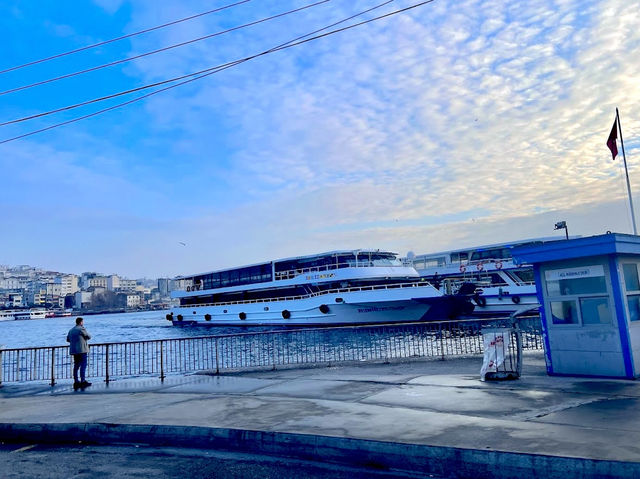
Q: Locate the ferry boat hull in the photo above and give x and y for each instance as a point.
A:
(499, 301)
(363, 307)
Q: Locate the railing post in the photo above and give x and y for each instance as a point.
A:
(106, 364)
(1, 366)
(53, 366)
(217, 358)
(441, 344)
(518, 334)
(162, 376)
(273, 354)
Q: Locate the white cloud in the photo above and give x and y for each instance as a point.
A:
(469, 118)
(110, 6)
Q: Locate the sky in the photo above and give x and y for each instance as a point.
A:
(457, 123)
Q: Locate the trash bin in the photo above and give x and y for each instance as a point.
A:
(502, 354)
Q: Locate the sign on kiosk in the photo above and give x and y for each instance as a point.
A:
(573, 273)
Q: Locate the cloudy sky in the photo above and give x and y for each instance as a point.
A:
(458, 123)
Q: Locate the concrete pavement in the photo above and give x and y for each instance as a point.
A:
(429, 416)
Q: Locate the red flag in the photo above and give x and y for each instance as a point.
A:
(611, 141)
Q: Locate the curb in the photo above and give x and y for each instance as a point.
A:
(436, 460)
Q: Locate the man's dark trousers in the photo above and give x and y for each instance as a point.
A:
(79, 363)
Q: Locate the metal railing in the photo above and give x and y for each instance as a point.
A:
(260, 350)
(360, 263)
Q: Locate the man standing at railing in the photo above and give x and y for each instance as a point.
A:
(79, 349)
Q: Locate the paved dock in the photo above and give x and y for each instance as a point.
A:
(431, 416)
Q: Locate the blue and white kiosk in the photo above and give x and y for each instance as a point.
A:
(589, 289)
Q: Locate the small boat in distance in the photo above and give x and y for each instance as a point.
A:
(502, 286)
(19, 314)
(337, 287)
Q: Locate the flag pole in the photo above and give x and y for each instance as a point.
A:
(624, 157)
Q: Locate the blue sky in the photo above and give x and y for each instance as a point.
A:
(458, 123)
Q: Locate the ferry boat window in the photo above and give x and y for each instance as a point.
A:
(524, 276)
(317, 263)
(458, 257)
(223, 279)
(385, 261)
(495, 253)
(346, 261)
(497, 280)
(433, 262)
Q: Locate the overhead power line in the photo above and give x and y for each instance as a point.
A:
(129, 35)
(170, 47)
(290, 44)
(214, 69)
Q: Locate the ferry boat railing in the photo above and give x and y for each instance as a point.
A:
(288, 274)
(272, 349)
(318, 293)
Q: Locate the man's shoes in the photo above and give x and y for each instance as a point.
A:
(77, 384)
(85, 384)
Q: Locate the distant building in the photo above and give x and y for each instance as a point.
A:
(83, 299)
(97, 282)
(163, 287)
(128, 285)
(133, 300)
(53, 289)
(113, 282)
(69, 284)
(11, 283)
(85, 277)
(15, 300)
(37, 297)
(128, 300)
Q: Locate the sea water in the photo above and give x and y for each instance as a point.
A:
(106, 328)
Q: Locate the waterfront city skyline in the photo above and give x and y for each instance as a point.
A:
(450, 125)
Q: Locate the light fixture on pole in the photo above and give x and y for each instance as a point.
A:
(562, 225)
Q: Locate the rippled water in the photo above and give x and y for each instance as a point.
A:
(105, 328)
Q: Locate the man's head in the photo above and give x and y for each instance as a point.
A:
(79, 321)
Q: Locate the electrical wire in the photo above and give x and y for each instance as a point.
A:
(164, 49)
(171, 80)
(129, 35)
(287, 45)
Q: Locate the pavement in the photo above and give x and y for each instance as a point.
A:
(429, 416)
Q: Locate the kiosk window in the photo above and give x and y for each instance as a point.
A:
(566, 287)
(564, 312)
(579, 296)
(595, 310)
(633, 301)
(631, 281)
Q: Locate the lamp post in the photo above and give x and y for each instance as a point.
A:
(562, 225)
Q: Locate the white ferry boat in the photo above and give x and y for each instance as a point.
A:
(14, 314)
(338, 287)
(502, 286)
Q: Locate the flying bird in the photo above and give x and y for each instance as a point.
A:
(183, 244)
